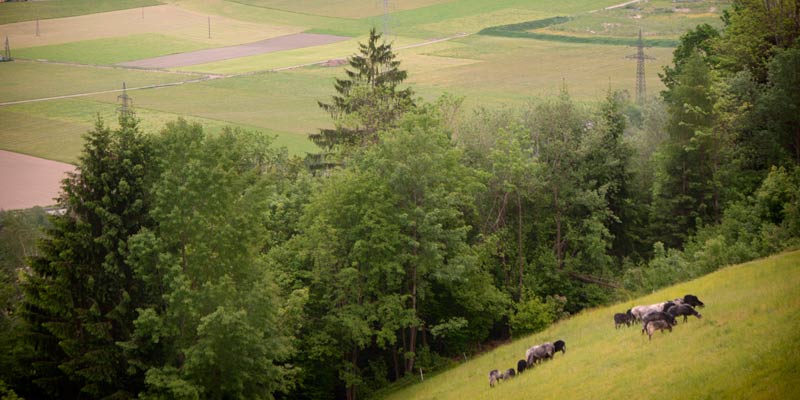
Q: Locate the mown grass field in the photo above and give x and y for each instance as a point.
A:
(744, 347)
(488, 71)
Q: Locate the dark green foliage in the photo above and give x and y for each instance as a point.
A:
(214, 330)
(699, 40)
(79, 296)
(19, 232)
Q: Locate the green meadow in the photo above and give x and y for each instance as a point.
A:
(259, 92)
(744, 347)
(26, 80)
(108, 51)
(28, 11)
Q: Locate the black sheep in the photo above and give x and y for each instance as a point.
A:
(693, 301)
(658, 316)
(620, 318)
(560, 345)
(685, 310)
(521, 365)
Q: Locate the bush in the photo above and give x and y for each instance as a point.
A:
(532, 315)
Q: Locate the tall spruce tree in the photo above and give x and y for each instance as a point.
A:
(81, 294)
(366, 102)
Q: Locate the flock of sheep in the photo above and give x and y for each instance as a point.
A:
(541, 352)
(660, 316)
(653, 317)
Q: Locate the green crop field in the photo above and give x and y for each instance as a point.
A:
(744, 347)
(29, 11)
(23, 80)
(54, 130)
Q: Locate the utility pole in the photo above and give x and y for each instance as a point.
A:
(7, 52)
(37, 26)
(640, 57)
(387, 9)
(125, 109)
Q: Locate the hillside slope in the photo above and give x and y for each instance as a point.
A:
(745, 346)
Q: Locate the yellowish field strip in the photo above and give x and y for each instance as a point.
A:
(167, 19)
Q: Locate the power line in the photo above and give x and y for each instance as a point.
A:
(640, 57)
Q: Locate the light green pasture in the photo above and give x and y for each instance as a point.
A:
(657, 19)
(282, 102)
(271, 16)
(25, 80)
(31, 10)
(113, 50)
(54, 129)
(297, 57)
(744, 347)
(517, 68)
(440, 18)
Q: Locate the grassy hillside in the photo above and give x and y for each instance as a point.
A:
(745, 347)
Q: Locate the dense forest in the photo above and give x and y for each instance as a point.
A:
(188, 265)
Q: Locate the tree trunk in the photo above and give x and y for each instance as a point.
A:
(351, 391)
(520, 259)
(396, 364)
(412, 334)
(557, 218)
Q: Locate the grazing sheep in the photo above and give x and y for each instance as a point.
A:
(528, 355)
(693, 301)
(657, 316)
(560, 345)
(494, 376)
(668, 305)
(521, 365)
(620, 318)
(685, 310)
(639, 312)
(540, 352)
(653, 326)
(508, 374)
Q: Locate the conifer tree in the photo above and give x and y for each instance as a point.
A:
(366, 101)
(81, 295)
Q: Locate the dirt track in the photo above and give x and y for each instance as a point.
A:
(27, 181)
(288, 42)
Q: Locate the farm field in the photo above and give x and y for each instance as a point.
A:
(437, 42)
(16, 12)
(743, 347)
(29, 180)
